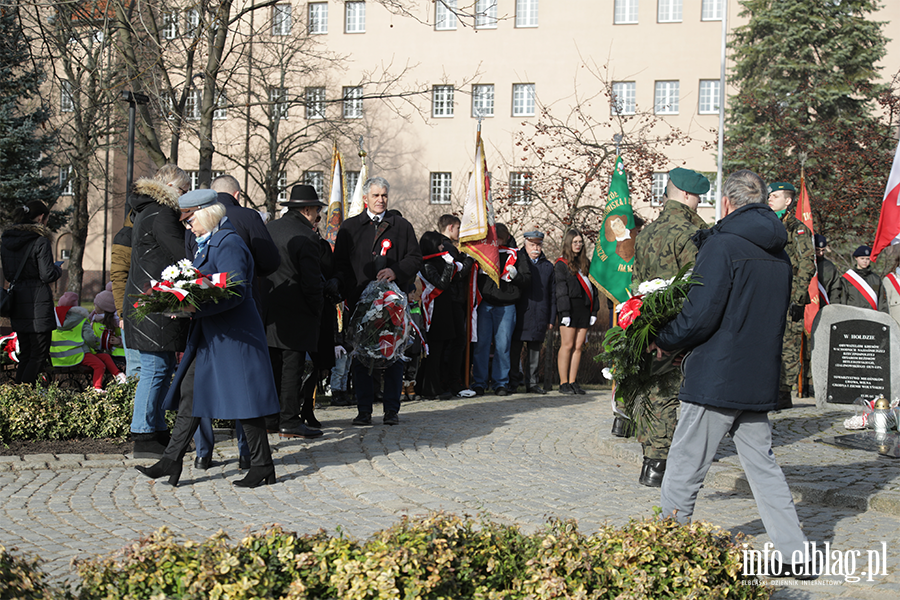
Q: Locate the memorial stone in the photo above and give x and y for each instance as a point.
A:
(854, 354)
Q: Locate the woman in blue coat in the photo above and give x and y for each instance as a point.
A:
(226, 351)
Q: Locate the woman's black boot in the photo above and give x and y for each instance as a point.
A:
(258, 476)
(162, 468)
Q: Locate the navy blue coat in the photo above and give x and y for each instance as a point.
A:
(226, 340)
(537, 306)
(734, 320)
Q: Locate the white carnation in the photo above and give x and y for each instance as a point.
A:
(607, 373)
(654, 285)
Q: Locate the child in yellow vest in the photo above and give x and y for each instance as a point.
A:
(68, 347)
(105, 336)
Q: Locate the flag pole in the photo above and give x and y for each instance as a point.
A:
(472, 281)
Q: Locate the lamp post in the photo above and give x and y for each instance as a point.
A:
(133, 99)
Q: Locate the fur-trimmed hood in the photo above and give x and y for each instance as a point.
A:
(20, 235)
(154, 191)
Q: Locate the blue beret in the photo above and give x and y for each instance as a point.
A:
(781, 185)
(820, 240)
(863, 251)
(689, 181)
(197, 199)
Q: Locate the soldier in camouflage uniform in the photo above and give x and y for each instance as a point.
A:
(661, 249)
(803, 260)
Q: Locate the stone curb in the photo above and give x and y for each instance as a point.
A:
(726, 477)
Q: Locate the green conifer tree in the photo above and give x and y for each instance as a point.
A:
(807, 80)
(26, 142)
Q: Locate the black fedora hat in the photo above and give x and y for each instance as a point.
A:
(303, 195)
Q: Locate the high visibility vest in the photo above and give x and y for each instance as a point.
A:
(67, 346)
(100, 331)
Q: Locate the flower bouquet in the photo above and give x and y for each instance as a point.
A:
(181, 286)
(381, 325)
(635, 371)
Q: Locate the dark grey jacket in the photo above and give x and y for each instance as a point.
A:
(33, 299)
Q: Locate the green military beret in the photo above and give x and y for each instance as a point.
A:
(780, 185)
(689, 181)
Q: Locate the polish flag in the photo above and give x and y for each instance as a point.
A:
(888, 232)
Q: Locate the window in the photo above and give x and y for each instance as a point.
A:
(221, 111)
(170, 26)
(625, 12)
(709, 96)
(520, 188)
(668, 11)
(192, 18)
(279, 100)
(66, 100)
(315, 103)
(281, 19)
(485, 14)
(353, 102)
(523, 100)
(483, 100)
(710, 196)
(352, 178)
(445, 15)
(65, 254)
(526, 13)
(441, 184)
(622, 101)
(282, 187)
(355, 21)
(317, 180)
(192, 105)
(318, 18)
(195, 179)
(658, 188)
(666, 98)
(712, 10)
(442, 101)
(65, 181)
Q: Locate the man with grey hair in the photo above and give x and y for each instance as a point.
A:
(376, 245)
(733, 323)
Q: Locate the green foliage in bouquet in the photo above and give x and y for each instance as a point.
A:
(433, 557)
(181, 277)
(635, 371)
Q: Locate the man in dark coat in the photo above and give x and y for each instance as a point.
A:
(448, 226)
(733, 323)
(376, 245)
(293, 300)
(535, 313)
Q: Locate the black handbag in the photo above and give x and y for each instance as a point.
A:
(7, 298)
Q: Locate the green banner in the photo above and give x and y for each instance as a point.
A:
(613, 258)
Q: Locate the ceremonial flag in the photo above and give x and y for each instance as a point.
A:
(477, 232)
(610, 269)
(804, 215)
(357, 204)
(888, 231)
(334, 215)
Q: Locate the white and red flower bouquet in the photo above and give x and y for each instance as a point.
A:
(635, 371)
(181, 285)
(381, 325)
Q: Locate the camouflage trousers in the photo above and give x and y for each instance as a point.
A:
(656, 426)
(790, 354)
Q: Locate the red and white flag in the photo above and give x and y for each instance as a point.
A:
(477, 231)
(888, 232)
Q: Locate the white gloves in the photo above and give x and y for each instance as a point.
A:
(565, 321)
(447, 258)
(339, 352)
(593, 320)
(459, 266)
(510, 274)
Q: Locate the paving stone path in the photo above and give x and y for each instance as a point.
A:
(519, 459)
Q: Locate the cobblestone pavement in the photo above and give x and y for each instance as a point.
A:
(518, 459)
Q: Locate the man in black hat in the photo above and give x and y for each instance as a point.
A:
(376, 244)
(292, 301)
(861, 287)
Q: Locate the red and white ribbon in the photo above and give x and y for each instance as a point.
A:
(385, 246)
(863, 287)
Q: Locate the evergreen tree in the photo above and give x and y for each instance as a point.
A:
(807, 84)
(25, 147)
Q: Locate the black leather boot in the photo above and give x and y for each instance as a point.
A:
(622, 427)
(163, 468)
(652, 472)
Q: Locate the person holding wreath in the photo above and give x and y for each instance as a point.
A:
(577, 302)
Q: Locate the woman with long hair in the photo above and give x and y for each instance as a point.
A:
(577, 303)
(26, 249)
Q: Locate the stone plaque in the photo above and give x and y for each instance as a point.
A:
(858, 361)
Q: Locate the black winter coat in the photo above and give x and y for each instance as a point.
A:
(33, 299)
(734, 319)
(292, 295)
(569, 290)
(441, 275)
(508, 292)
(324, 356)
(157, 241)
(537, 307)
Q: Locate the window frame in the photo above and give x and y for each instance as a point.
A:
(526, 14)
(440, 187)
(360, 18)
(192, 29)
(716, 7)
(278, 99)
(315, 179)
(629, 11)
(170, 23)
(66, 97)
(66, 185)
(220, 112)
(521, 193)
(193, 104)
(351, 179)
(670, 107)
(673, 8)
(281, 184)
(478, 98)
(632, 102)
(655, 200)
(714, 98)
(445, 15)
(281, 14)
(317, 18)
(530, 91)
(314, 100)
(486, 14)
(442, 101)
(352, 102)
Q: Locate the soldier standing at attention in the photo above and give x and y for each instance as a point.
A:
(660, 250)
(860, 286)
(803, 262)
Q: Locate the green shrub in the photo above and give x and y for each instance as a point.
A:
(21, 578)
(435, 557)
